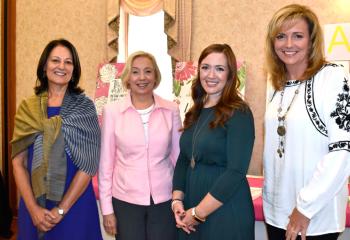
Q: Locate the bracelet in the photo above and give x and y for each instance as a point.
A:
(195, 216)
(176, 200)
(173, 203)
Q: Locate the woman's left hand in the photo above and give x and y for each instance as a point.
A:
(57, 218)
(189, 221)
(298, 223)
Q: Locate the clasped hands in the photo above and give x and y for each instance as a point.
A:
(45, 219)
(184, 219)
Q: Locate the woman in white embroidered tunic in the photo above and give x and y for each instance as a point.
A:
(307, 125)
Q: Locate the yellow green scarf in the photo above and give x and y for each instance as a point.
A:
(30, 121)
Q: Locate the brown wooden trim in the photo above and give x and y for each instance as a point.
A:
(10, 100)
(2, 87)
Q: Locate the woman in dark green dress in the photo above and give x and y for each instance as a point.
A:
(211, 196)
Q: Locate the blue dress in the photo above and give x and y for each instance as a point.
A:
(82, 220)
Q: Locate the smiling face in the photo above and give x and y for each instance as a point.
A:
(213, 74)
(59, 67)
(142, 78)
(292, 46)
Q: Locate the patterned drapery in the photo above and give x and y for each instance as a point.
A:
(142, 7)
(177, 24)
(112, 29)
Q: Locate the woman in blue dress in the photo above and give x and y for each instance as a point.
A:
(55, 151)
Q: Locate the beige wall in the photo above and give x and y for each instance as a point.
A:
(240, 23)
(81, 21)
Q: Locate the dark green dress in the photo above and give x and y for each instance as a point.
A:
(222, 158)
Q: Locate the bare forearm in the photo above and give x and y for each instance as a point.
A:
(76, 188)
(177, 194)
(21, 176)
(208, 205)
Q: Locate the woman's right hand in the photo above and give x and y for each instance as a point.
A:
(42, 218)
(179, 213)
(110, 224)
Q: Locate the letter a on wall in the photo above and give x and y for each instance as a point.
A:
(337, 41)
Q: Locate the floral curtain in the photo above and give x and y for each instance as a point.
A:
(177, 24)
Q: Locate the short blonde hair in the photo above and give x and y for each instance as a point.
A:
(126, 72)
(274, 66)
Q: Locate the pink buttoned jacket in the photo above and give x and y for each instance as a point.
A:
(130, 169)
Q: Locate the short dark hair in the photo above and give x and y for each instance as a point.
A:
(42, 81)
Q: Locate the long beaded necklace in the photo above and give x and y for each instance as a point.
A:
(281, 129)
(194, 138)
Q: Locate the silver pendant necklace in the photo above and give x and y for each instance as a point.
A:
(194, 138)
(281, 128)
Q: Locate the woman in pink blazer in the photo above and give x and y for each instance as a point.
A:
(139, 149)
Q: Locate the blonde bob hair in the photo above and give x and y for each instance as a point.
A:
(274, 66)
(125, 76)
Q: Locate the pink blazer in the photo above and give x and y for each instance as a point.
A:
(130, 169)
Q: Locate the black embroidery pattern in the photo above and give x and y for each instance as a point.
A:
(342, 110)
(311, 109)
(341, 145)
(331, 65)
(291, 83)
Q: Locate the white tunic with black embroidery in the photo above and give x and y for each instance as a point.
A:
(312, 175)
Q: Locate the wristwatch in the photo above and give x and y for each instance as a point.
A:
(60, 211)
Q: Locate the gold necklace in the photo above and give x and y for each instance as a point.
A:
(281, 129)
(194, 138)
